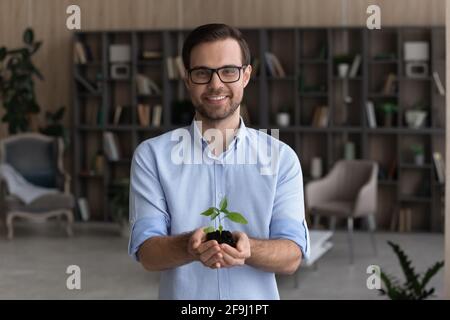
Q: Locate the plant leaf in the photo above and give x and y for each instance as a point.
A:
(431, 272)
(236, 217)
(223, 204)
(215, 214)
(208, 212)
(208, 229)
(28, 36)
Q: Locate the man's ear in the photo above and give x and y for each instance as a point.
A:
(247, 75)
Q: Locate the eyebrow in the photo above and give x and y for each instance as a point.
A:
(224, 66)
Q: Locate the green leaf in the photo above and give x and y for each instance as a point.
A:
(28, 36)
(208, 212)
(236, 217)
(208, 229)
(215, 214)
(223, 204)
(2, 53)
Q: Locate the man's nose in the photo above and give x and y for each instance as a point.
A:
(215, 81)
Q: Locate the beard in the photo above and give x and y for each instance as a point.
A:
(215, 113)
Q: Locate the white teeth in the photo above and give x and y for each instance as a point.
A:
(217, 98)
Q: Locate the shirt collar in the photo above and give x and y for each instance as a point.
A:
(200, 141)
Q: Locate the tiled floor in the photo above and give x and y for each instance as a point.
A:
(33, 265)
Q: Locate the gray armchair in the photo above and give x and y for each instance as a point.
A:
(348, 191)
(39, 159)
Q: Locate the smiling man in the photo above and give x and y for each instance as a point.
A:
(167, 197)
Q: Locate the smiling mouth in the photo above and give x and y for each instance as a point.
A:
(216, 98)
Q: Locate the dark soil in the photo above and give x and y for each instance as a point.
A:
(225, 237)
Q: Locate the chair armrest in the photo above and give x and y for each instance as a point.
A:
(63, 182)
(366, 200)
(319, 191)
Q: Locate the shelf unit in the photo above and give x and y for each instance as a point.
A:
(309, 57)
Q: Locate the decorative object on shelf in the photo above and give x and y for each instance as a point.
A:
(111, 146)
(390, 85)
(120, 71)
(120, 57)
(119, 53)
(388, 109)
(419, 154)
(320, 117)
(415, 286)
(283, 116)
(342, 64)
(316, 168)
(415, 118)
(146, 86)
(17, 72)
(349, 152)
(416, 55)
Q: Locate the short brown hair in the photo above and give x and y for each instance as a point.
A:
(213, 32)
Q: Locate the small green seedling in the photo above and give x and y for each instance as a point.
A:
(215, 213)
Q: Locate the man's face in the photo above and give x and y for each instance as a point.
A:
(217, 100)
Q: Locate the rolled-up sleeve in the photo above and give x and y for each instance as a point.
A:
(148, 208)
(288, 213)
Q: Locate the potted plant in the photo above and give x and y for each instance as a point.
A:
(414, 288)
(120, 205)
(17, 92)
(220, 235)
(388, 109)
(54, 127)
(342, 63)
(283, 116)
(419, 154)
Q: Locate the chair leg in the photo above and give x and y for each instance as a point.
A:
(372, 227)
(350, 237)
(9, 226)
(333, 223)
(316, 220)
(69, 222)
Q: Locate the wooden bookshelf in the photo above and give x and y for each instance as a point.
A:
(310, 59)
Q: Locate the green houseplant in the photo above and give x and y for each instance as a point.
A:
(54, 126)
(388, 109)
(414, 288)
(220, 235)
(120, 203)
(17, 93)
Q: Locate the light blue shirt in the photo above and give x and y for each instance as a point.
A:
(167, 196)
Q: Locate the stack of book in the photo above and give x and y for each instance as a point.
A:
(175, 68)
(320, 117)
(111, 146)
(149, 115)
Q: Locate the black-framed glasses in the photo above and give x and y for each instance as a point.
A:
(227, 74)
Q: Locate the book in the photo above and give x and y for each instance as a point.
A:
(389, 84)
(181, 72)
(439, 166)
(79, 53)
(83, 206)
(274, 65)
(320, 117)
(144, 114)
(146, 86)
(111, 146)
(437, 81)
(148, 54)
(157, 115)
(88, 85)
(170, 68)
(355, 66)
(370, 111)
(117, 114)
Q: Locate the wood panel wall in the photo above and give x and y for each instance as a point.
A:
(48, 18)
